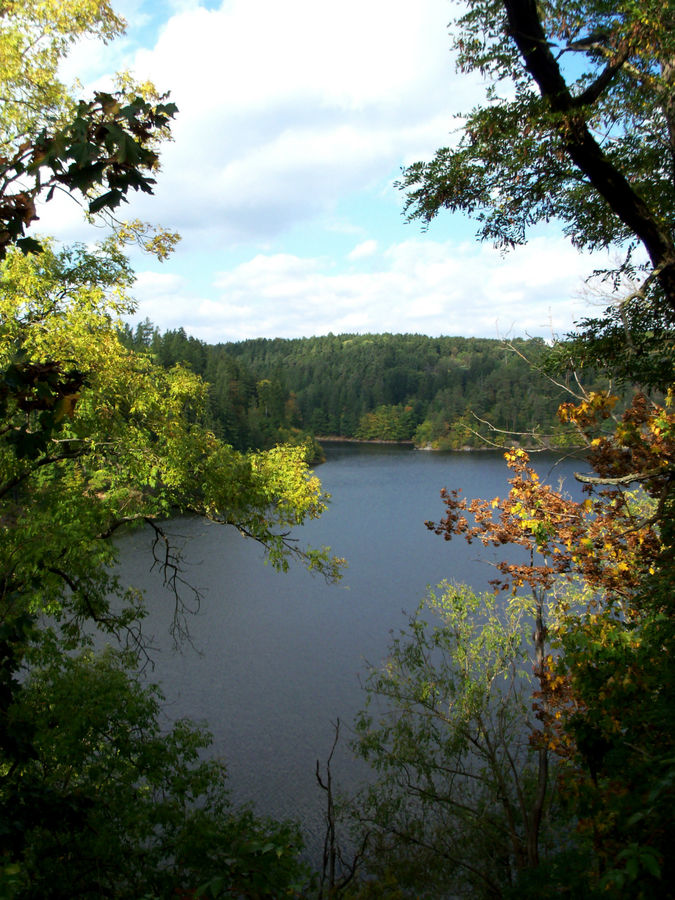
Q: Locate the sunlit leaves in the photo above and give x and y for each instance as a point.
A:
(604, 699)
(35, 37)
(97, 150)
(453, 805)
(95, 436)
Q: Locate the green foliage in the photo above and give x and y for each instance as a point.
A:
(577, 128)
(96, 800)
(95, 438)
(516, 162)
(439, 434)
(451, 810)
(622, 727)
(102, 153)
(374, 387)
(97, 149)
(646, 358)
(112, 805)
(387, 423)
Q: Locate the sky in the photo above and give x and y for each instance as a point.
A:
(294, 121)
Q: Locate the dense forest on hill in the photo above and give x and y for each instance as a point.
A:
(438, 392)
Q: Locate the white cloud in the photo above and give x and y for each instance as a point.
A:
(158, 284)
(287, 108)
(253, 53)
(291, 114)
(363, 250)
(419, 286)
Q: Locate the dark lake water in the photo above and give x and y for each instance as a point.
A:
(277, 658)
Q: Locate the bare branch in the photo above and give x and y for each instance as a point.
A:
(624, 479)
(167, 559)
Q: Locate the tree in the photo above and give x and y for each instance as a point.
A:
(594, 585)
(578, 127)
(97, 149)
(387, 423)
(111, 805)
(115, 424)
(95, 438)
(605, 564)
(461, 803)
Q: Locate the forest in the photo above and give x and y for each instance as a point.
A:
(521, 743)
(447, 393)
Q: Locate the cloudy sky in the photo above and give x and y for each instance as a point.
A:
(295, 119)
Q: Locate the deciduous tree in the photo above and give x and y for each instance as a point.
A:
(461, 802)
(577, 128)
(97, 149)
(94, 438)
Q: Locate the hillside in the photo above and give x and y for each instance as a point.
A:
(434, 391)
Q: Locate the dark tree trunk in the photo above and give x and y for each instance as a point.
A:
(527, 31)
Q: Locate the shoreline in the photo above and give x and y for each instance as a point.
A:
(335, 439)
(427, 448)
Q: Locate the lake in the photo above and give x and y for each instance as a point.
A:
(277, 658)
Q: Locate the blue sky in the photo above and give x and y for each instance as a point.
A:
(295, 119)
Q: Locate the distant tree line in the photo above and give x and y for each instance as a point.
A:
(441, 392)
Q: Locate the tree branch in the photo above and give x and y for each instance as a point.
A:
(45, 461)
(594, 91)
(624, 479)
(526, 30)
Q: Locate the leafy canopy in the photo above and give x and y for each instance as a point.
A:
(95, 437)
(96, 150)
(111, 804)
(95, 798)
(578, 125)
(456, 803)
(578, 128)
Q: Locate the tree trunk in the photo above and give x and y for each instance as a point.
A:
(527, 31)
(539, 639)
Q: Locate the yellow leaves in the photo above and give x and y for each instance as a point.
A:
(597, 406)
(66, 407)
(283, 475)
(158, 241)
(35, 35)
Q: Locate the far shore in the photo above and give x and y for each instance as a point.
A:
(335, 438)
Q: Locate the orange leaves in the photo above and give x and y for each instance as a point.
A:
(554, 702)
(608, 539)
(532, 516)
(642, 444)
